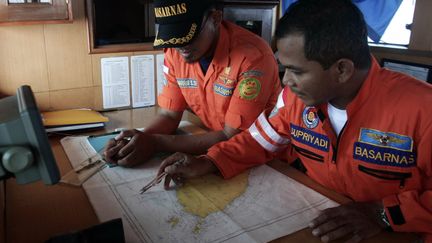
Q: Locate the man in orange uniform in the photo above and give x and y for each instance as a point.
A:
(225, 74)
(361, 130)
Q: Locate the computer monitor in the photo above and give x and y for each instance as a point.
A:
(25, 152)
(417, 70)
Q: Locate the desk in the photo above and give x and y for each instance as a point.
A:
(36, 212)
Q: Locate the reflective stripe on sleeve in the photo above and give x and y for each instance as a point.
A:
(253, 130)
(280, 101)
(268, 129)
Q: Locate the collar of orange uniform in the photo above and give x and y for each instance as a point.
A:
(223, 46)
(367, 90)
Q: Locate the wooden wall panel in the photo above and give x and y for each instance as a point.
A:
(69, 64)
(98, 102)
(72, 98)
(43, 100)
(404, 57)
(421, 38)
(22, 58)
(422, 57)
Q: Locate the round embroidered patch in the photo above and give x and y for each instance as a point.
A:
(310, 117)
(249, 88)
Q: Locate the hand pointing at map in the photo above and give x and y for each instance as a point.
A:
(180, 166)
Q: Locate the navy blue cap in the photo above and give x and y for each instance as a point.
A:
(179, 21)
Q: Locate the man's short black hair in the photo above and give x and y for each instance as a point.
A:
(332, 29)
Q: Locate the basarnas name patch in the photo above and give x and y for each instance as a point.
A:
(222, 90)
(383, 156)
(384, 148)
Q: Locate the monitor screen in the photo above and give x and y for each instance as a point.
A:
(259, 17)
(416, 70)
(25, 152)
(131, 22)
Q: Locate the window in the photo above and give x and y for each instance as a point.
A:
(35, 11)
(388, 21)
(398, 31)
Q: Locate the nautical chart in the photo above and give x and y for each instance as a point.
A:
(257, 206)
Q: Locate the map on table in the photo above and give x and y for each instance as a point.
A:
(256, 206)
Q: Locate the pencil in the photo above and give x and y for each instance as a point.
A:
(153, 182)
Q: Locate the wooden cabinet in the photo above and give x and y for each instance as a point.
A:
(257, 16)
(120, 26)
(125, 26)
(35, 12)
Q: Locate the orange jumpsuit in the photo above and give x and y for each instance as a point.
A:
(241, 81)
(384, 151)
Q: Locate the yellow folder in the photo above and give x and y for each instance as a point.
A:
(71, 117)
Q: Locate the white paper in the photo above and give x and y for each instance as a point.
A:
(160, 76)
(115, 82)
(272, 206)
(143, 80)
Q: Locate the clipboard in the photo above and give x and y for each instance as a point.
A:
(93, 164)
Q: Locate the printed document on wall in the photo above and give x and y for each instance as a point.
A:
(115, 82)
(143, 80)
(160, 76)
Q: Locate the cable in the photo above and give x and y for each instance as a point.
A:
(4, 212)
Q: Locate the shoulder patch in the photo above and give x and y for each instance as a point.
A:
(249, 88)
(310, 117)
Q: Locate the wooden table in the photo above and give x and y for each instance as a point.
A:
(35, 212)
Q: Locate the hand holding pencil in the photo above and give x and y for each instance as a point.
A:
(180, 166)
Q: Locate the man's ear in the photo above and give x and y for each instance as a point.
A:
(344, 69)
(217, 16)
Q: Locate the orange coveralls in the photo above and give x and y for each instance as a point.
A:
(241, 81)
(384, 152)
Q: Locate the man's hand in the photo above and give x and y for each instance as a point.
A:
(180, 166)
(111, 149)
(361, 220)
(130, 148)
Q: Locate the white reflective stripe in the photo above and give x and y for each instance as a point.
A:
(165, 69)
(261, 140)
(280, 101)
(268, 129)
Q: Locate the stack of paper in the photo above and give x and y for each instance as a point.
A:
(73, 119)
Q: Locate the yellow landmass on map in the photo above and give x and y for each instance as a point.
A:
(211, 193)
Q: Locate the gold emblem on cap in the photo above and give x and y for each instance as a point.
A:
(181, 40)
